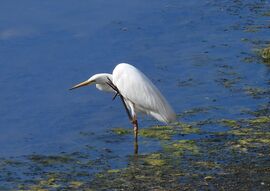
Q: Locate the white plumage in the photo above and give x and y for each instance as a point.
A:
(140, 94)
(137, 92)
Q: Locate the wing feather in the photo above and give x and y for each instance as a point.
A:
(137, 88)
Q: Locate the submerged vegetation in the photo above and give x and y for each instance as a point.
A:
(180, 163)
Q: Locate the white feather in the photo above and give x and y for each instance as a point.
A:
(140, 93)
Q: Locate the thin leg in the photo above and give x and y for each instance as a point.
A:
(136, 130)
(133, 119)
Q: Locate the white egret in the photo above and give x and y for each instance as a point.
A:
(136, 91)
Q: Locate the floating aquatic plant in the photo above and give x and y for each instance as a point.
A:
(265, 53)
(121, 131)
(155, 159)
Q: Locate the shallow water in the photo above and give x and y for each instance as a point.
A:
(202, 55)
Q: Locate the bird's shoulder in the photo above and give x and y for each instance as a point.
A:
(135, 86)
(126, 74)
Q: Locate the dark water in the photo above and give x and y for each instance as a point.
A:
(203, 55)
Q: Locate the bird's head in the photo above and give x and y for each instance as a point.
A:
(100, 80)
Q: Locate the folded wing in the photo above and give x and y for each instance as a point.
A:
(137, 88)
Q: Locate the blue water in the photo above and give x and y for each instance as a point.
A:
(184, 47)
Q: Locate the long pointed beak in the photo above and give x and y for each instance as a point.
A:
(81, 84)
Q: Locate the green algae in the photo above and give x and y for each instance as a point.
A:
(195, 111)
(185, 129)
(264, 110)
(150, 171)
(228, 77)
(207, 164)
(241, 131)
(9, 162)
(161, 132)
(155, 159)
(246, 144)
(158, 132)
(265, 53)
(54, 181)
(252, 29)
(228, 83)
(252, 142)
(121, 131)
(180, 147)
(114, 170)
(259, 54)
(179, 164)
(186, 145)
(260, 120)
(75, 184)
(208, 178)
(49, 160)
(47, 183)
(252, 133)
(266, 13)
(230, 123)
(250, 59)
(256, 92)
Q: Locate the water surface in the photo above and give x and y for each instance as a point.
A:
(201, 54)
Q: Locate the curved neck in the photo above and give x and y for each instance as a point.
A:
(101, 81)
